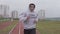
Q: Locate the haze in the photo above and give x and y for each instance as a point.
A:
(51, 7)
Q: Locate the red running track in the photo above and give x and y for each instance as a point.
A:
(19, 29)
(4, 25)
(15, 30)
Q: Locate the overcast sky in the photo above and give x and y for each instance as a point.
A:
(51, 7)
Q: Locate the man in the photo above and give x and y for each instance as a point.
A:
(29, 19)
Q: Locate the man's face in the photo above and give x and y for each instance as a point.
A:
(31, 8)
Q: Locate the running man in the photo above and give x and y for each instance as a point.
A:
(29, 19)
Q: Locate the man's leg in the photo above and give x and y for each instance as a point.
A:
(26, 31)
(33, 31)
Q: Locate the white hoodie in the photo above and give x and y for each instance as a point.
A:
(29, 24)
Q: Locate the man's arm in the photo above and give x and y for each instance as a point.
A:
(36, 20)
(23, 17)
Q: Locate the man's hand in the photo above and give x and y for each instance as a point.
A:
(28, 17)
(35, 21)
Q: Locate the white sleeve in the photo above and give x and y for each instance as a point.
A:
(22, 17)
(37, 18)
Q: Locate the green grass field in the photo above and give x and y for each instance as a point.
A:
(4, 19)
(49, 27)
(44, 27)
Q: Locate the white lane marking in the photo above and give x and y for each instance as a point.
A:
(19, 28)
(13, 28)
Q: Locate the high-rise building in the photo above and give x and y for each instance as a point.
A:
(14, 14)
(41, 14)
(4, 9)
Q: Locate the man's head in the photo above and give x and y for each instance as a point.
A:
(31, 7)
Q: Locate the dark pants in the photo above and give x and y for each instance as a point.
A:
(30, 31)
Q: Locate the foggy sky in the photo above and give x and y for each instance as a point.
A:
(51, 7)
